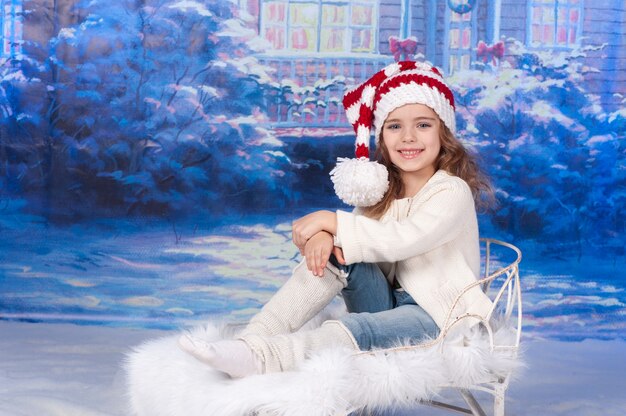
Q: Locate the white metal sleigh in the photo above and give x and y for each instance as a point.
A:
(501, 282)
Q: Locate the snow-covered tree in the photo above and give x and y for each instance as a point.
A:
(551, 150)
(153, 107)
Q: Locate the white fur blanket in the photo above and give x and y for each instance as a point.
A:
(164, 381)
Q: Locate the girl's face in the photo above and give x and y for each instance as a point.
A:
(411, 136)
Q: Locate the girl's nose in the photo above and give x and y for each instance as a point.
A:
(409, 136)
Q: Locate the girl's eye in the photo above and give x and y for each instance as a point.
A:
(393, 126)
(423, 125)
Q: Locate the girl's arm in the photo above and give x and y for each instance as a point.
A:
(434, 220)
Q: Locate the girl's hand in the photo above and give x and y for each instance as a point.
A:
(306, 227)
(317, 251)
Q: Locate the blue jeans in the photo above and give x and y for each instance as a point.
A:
(379, 315)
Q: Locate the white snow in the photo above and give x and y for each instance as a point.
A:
(67, 33)
(70, 370)
(66, 369)
(602, 138)
(235, 28)
(186, 5)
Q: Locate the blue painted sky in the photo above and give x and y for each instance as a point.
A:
(113, 119)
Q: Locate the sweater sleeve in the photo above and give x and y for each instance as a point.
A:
(436, 218)
(336, 240)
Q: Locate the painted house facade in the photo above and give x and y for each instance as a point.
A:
(313, 40)
(312, 43)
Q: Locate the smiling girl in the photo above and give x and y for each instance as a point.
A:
(400, 258)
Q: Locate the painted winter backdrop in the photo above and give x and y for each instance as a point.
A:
(142, 181)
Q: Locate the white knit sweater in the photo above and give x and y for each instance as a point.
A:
(428, 242)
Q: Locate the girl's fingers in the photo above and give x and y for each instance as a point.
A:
(316, 251)
(323, 259)
(314, 256)
(322, 263)
(313, 261)
(338, 252)
(316, 260)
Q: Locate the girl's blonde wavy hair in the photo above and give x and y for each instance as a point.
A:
(453, 158)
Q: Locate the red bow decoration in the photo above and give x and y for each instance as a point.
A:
(486, 51)
(402, 47)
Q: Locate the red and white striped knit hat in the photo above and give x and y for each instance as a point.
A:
(359, 181)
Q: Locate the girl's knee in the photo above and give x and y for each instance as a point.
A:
(365, 274)
(361, 334)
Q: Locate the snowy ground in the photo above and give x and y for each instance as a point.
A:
(72, 370)
(73, 301)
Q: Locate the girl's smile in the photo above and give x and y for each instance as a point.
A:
(410, 153)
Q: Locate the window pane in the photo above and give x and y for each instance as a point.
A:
(362, 15)
(334, 15)
(274, 12)
(548, 14)
(546, 30)
(536, 34)
(548, 34)
(453, 63)
(362, 40)
(332, 40)
(454, 38)
(465, 61)
(572, 35)
(467, 33)
(276, 36)
(303, 39)
(303, 14)
(320, 25)
(18, 30)
(561, 36)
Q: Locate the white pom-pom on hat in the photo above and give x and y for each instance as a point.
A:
(360, 182)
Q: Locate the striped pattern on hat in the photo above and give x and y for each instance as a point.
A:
(398, 84)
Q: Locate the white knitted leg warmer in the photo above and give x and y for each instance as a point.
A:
(297, 301)
(285, 351)
(230, 356)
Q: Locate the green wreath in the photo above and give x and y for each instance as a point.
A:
(460, 6)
